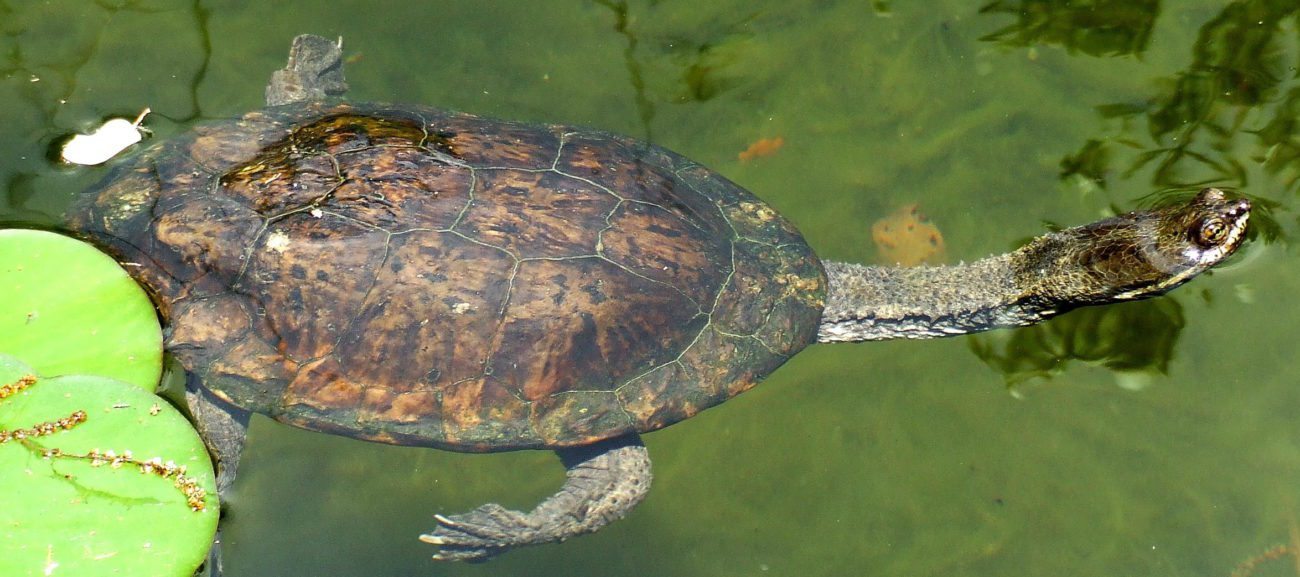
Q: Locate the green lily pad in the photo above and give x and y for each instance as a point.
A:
(68, 309)
(64, 511)
(11, 369)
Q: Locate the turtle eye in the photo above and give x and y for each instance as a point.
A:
(1210, 232)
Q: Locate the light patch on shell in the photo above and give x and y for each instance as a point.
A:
(760, 211)
(105, 142)
(277, 241)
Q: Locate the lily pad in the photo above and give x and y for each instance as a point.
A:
(70, 507)
(68, 309)
(11, 369)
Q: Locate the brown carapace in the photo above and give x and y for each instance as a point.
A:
(415, 276)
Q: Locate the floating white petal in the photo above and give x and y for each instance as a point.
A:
(104, 143)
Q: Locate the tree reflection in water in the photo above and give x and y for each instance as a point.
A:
(1231, 115)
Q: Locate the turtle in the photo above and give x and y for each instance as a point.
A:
(411, 275)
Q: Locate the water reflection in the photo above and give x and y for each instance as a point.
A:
(1229, 104)
(1133, 337)
(644, 106)
(1099, 28)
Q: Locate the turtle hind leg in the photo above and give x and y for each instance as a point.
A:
(603, 482)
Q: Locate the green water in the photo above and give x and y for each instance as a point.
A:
(1153, 439)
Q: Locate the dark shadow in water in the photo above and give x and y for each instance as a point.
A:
(704, 73)
(1098, 28)
(17, 189)
(1136, 337)
(644, 107)
(201, 16)
(701, 57)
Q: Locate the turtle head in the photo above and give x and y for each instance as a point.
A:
(1206, 230)
(120, 206)
(1147, 253)
(115, 215)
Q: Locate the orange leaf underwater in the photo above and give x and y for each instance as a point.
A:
(761, 147)
(906, 238)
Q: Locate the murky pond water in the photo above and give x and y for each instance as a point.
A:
(1157, 438)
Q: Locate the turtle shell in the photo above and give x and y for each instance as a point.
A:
(417, 276)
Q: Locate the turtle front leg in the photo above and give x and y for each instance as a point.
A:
(604, 481)
(223, 429)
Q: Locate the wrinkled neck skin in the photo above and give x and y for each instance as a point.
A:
(868, 303)
(1052, 274)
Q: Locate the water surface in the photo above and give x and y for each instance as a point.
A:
(1156, 438)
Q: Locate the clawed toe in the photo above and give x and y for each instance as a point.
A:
(601, 485)
(477, 535)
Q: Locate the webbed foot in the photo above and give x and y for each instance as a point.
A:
(480, 534)
(603, 482)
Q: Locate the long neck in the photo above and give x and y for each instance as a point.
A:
(866, 303)
(1048, 276)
